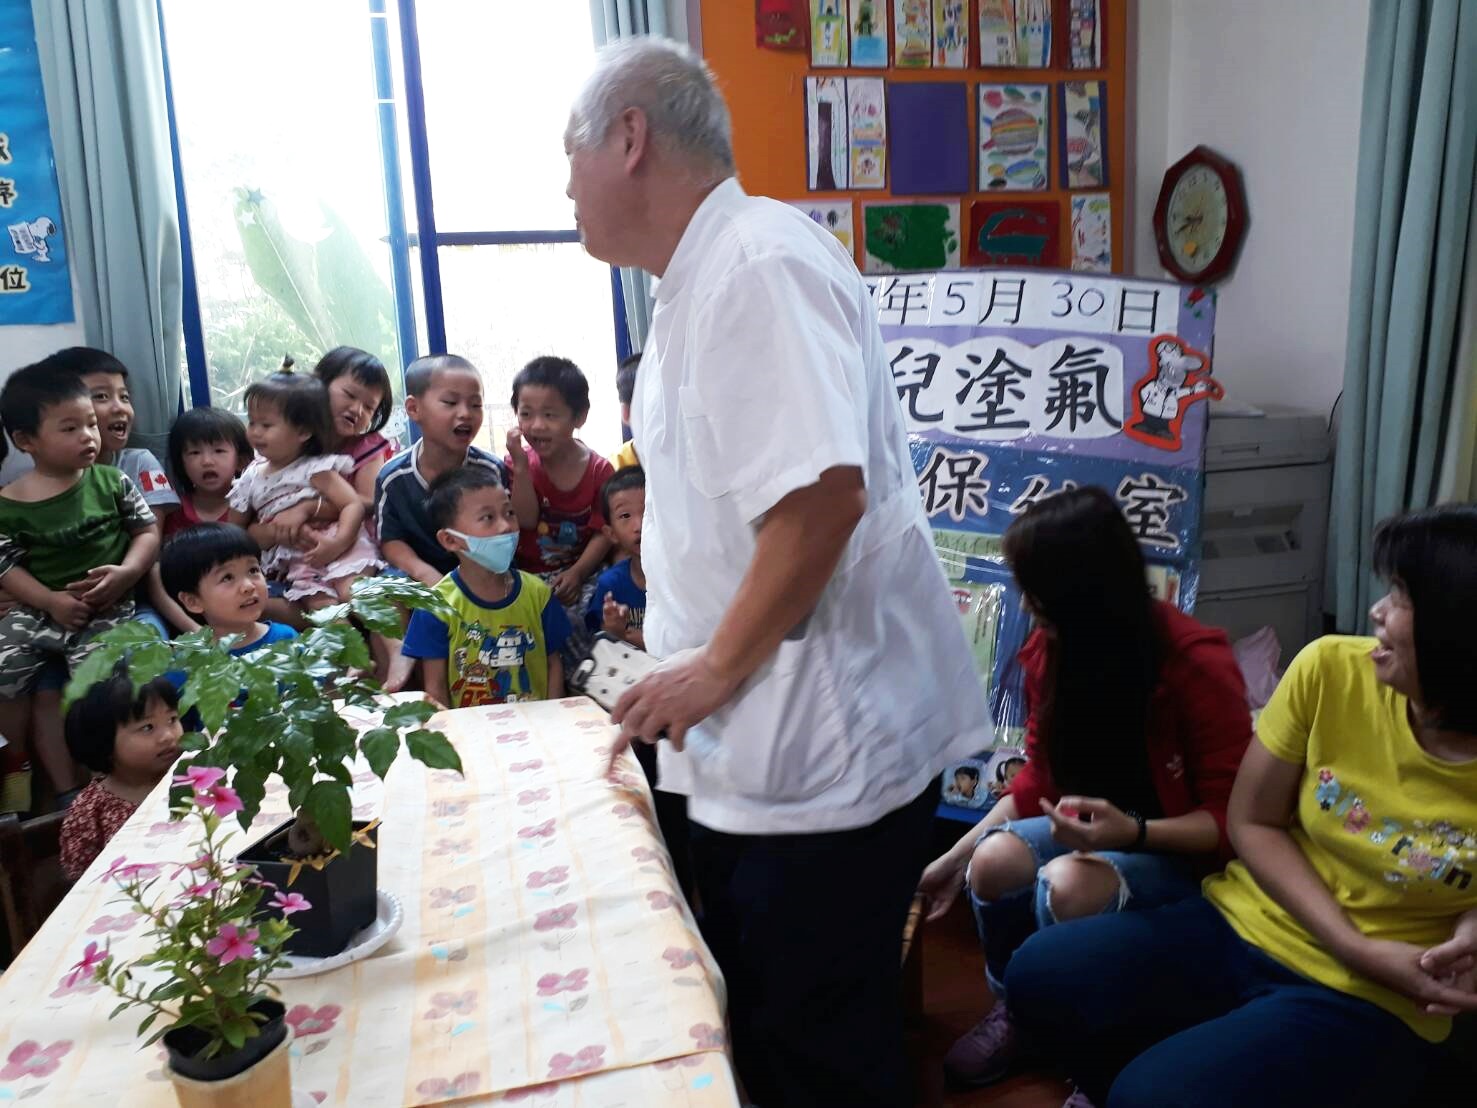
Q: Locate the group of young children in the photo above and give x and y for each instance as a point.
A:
(253, 525)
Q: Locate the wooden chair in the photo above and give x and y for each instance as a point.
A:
(913, 961)
(31, 880)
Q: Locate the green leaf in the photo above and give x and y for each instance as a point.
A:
(433, 749)
(252, 789)
(147, 1023)
(411, 711)
(379, 747)
(328, 803)
(235, 1032)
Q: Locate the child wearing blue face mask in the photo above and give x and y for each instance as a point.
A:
(503, 643)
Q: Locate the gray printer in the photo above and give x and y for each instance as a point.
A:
(1267, 476)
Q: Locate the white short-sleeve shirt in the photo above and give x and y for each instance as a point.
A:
(764, 367)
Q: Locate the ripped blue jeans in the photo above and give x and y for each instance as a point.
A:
(1145, 880)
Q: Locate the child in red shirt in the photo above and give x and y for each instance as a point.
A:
(556, 483)
(132, 740)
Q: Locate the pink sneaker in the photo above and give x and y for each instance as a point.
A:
(985, 1053)
(1078, 1099)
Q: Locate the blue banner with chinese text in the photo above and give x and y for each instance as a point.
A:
(34, 284)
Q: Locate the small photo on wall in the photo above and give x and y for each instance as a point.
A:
(828, 33)
(1092, 232)
(899, 236)
(833, 216)
(866, 103)
(1084, 150)
(1014, 233)
(1014, 138)
(912, 25)
(869, 33)
(979, 783)
(828, 146)
(950, 34)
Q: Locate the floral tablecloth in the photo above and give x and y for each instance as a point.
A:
(546, 956)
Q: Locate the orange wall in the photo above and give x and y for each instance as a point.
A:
(766, 94)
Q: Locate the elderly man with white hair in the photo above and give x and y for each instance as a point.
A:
(815, 677)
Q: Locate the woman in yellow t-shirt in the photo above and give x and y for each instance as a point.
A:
(1322, 966)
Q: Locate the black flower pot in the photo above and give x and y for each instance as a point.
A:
(342, 893)
(185, 1044)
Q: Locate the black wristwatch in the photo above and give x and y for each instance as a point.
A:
(1142, 836)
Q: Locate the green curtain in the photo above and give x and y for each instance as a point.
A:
(613, 19)
(1403, 378)
(103, 68)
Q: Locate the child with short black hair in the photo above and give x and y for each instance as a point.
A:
(618, 604)
(443, 395)
(75, 539)
(208, 450)
(131, 739)
(625, 390)
(215, 572)
(503, 643)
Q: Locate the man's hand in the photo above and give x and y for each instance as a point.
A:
(682, 692)
(617, 618)
(105, 586)
(69, 610)
(1108, 827)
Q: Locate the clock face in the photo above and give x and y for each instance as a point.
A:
(1197, 216)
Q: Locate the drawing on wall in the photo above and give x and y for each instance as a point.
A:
(1092, 232)
(1013, 137)
(781, 24)
(950, 34)
(869, 34)
(827, 33)
(900, 236)
(1084, 137)
(834, 216)
(1015, 33)
(1003, 232)
(1085, 34)
(866, 101)
(827, 145)
(912, 24)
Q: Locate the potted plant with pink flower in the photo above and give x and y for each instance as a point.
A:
(203, 982)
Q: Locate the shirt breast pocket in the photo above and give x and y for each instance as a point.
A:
(700, 446)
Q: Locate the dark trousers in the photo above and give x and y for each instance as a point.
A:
(1171, 1008)
(808, 930)
(671, 818)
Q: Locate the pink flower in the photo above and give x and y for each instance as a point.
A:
(513, 737)
(707, 1036)
(202, 862)
(200, 778)
(452, 846)
(221, 800)
(538, 831)
(31, 1059)
(502, 713)
(532, 796)
(288, 903)
(588, 1059)
(540, 878)
(659, 900)
(645, 854)
(463, 1084)
(199, 891)
(526, 767)
(307, 1021)
(124, 872)
(103, 924)
(575, 981)
(679, 958)
(443, 1004)
(445, 898)
(66, 987)
(92, 957)
(165, 827)
(556, 919)
(625, 811)
(232, 943)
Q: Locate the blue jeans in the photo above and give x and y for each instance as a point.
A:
(1145, 880)
(1172, 1009)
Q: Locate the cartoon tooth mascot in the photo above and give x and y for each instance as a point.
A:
(1177, 378)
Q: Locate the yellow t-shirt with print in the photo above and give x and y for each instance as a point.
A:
(1390, 830)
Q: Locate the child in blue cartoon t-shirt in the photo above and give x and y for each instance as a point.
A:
(618, 604)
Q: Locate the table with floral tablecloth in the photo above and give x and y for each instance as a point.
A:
(546, 956)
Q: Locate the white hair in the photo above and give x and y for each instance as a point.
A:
(673, 88)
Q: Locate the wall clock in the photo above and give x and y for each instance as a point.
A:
(1200, 219)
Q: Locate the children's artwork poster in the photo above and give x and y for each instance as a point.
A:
(898, 236)
(912, 27)
(866, 102)
(1015, 33)
(35, 286)
(834, 216)
(828, 33)
(869, 33)
(1017, 384)
(1003, 232)
(1014, 122)
(828, 149)
(781, 24)
(1084, 139)
(1085, 34)
(1092, 232)
(950, 34)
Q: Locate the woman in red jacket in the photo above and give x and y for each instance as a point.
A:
(1136, 721)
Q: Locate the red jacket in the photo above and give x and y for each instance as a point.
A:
(1199, 722)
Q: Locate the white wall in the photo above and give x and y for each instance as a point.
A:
(1276, 86)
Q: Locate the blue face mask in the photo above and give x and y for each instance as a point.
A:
(492, 552)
